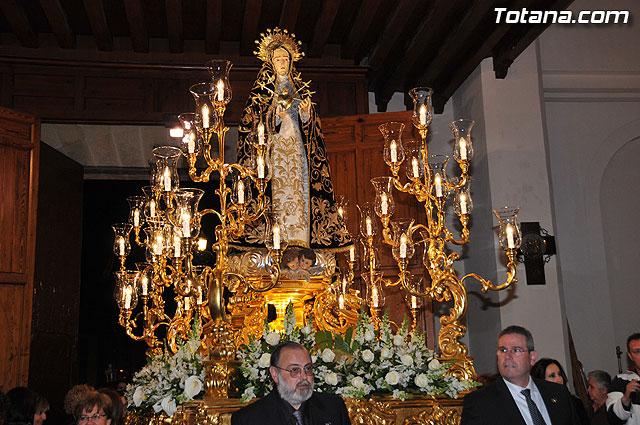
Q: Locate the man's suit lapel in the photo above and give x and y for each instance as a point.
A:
(506, 403)
(550, 401)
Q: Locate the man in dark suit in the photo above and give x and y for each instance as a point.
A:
(293, 402)
(515, 398)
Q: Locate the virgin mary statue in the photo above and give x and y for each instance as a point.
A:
(300, 192)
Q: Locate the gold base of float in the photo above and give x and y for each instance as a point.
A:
(376, 411)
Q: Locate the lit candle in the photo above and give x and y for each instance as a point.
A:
(344, 285)
(176, 246)
(340, 212)
(136, 217)
(384, 204)
(145, 285)
(199, 295)
(352, 254)
(403, 246)
(121, 245)
(510, 242)
(191, 144)
(205, 116)
(394, 151)
(414, 302)
(414, 167)
(240, 192)
(341, 302)
(220, 90)
(186, 225)
(423, 115)
(260, 167)
(202, 244)
(463, 148)
(374, 296)
(187, 304)
(167, 179)
(463, 203)
(276, 236)
(369, 229)
(438, 182)
(152, 208)
(261, 134)
(127, 298)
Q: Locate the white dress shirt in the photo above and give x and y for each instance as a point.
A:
(521, 401)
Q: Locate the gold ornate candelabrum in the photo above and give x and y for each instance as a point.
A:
(427, 180)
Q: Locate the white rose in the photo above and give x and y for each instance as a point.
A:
(406, 359)
(306, 330)
(331, 378)
(357, 382)
(192, 386)
(272, 338)
(369, 335)
(434, 364)
(398, 340)
(392, 378)
(138, 396)
(367, 356)
(421, 380)
(385, 353)
(265, 360)
(328, 356)
(169, 406)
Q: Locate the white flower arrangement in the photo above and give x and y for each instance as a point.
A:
(364, 362)
(168, 379)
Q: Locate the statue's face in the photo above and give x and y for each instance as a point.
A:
(281, 61)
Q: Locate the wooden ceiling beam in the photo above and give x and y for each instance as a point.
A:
(59, 24)
(137, 27)
(98, 23)
(323, 26)
(213, 24)
(360, 29)
(392, 32)
(19, 22)
(175, 29)
(250, 25)
(289, 15)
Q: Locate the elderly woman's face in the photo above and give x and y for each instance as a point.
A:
(281, 61)
(93, 417)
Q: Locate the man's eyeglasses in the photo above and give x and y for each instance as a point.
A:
(515, 351)
(295, 371)
(85, 419)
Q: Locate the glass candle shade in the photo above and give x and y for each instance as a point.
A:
(462, 202)
(509, 236)
(203, 94)
(413, 166)
(375, 293)
(125, 292)
(422, 110)
(275, 233)
(384, 203)
(368, 221)
(219, 69)
(136, 210)
(241, 190)
(145, 285)
(191, 143)
(416, 283)
(403, 247)
(393, 153)
(165, 176)
(121, 244)
(438, 170)
(152, 208)
(462, 146)
(342, 205)
(185, 218)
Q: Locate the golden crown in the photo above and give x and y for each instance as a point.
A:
(277, 38)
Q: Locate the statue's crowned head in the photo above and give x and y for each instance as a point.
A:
(279, 49)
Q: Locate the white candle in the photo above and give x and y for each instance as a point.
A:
(205, 116)
(187, 304)
(463, 203)
(423, 115)
(167, 179)
(340, 212)
(374, 296)
(261, 134)
(240, 192)
(260, 167)
(276, 236)
(414, 302)
(152, 208)
(136, 218)
(438, 182)
(510, 242)
(145, 285)
(127, 298)
(344, 285)
(191, 145)
(352, 254)
(121, 245)
(369, 229)
(186, 225)
(394, 151)
(341, 302)
(463, 148)
(403, 246)
(384, 204)
(414, 167)
(176, 246)
(199, 295)
(220, 90)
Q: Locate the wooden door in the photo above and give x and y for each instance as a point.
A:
(19, 152)
(355, 145)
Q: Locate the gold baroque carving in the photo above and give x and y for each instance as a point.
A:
(370, 412)
(434, 416)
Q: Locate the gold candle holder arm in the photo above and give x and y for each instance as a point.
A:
(512, 273)
(464, 220)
